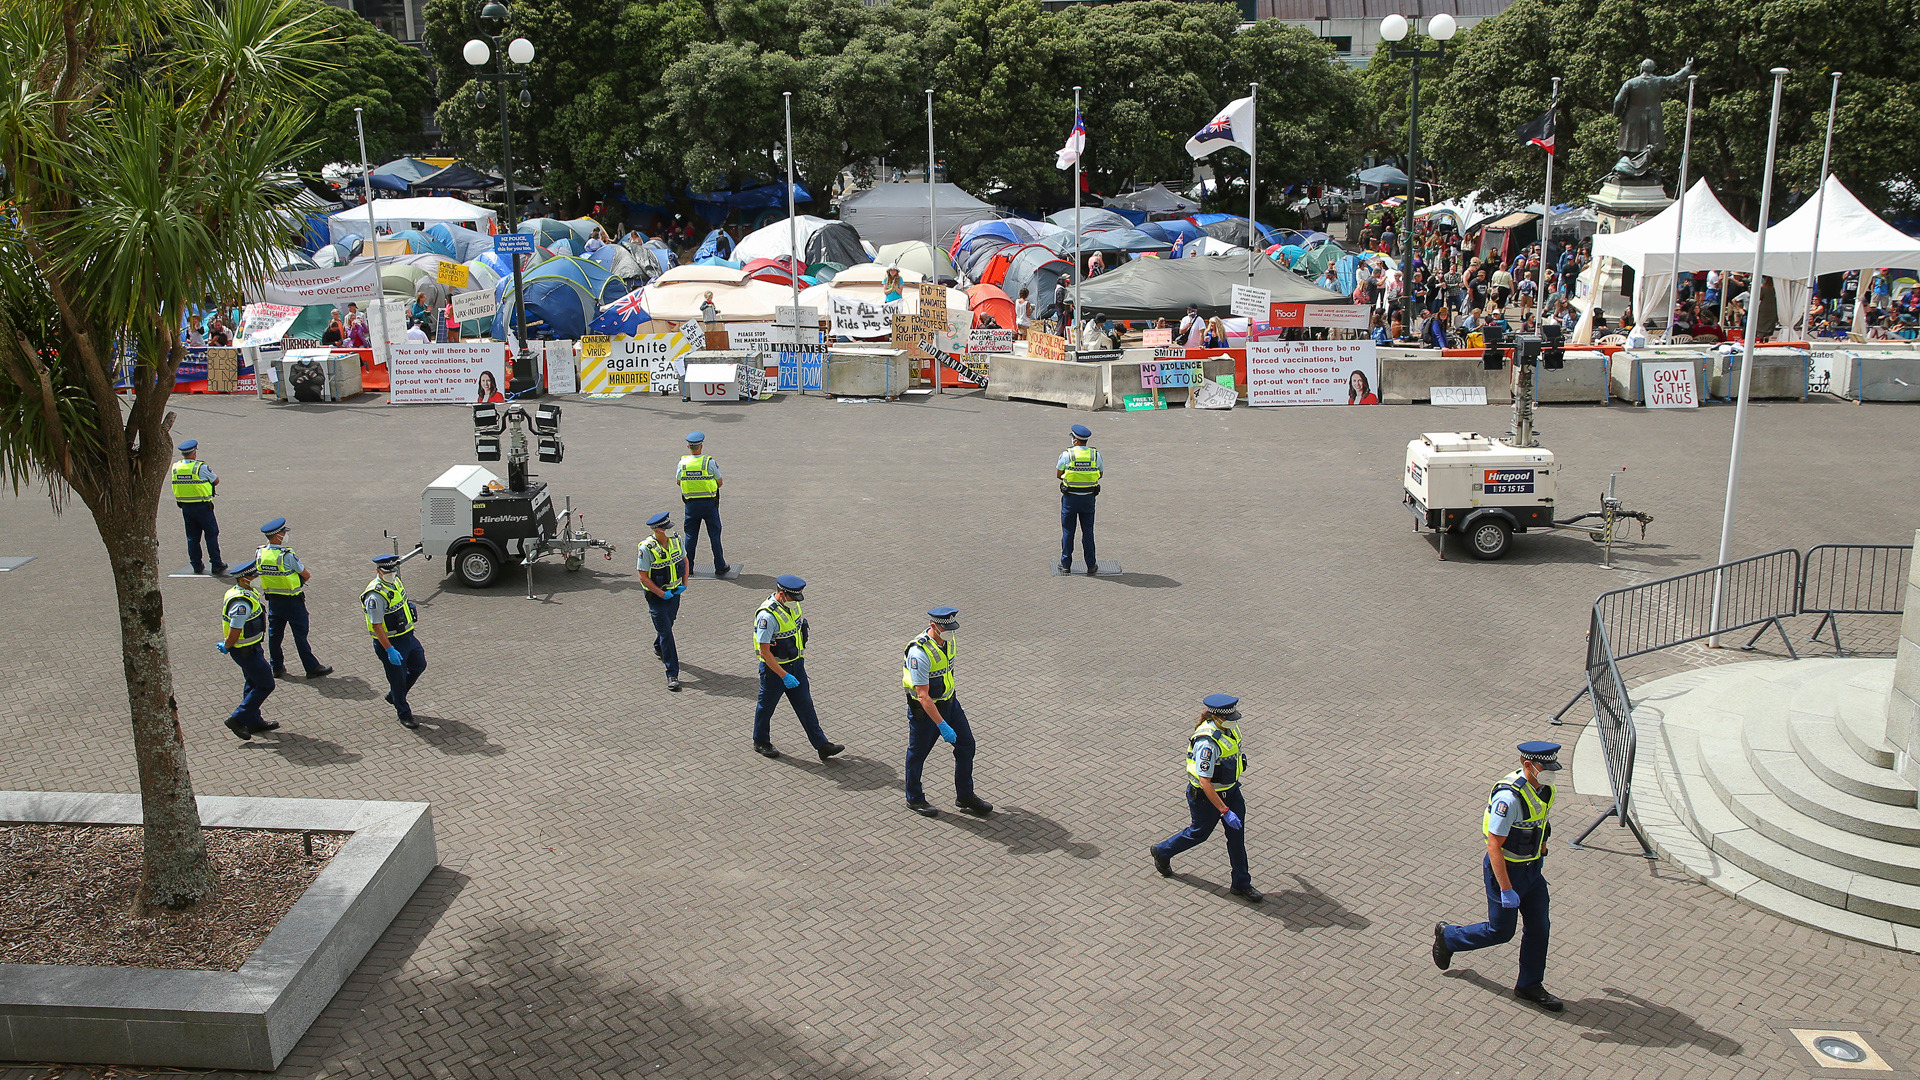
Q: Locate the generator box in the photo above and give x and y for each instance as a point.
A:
(468, 501)
(1450, 474)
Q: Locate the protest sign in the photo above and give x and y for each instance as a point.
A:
(330, 285)
(1249, 302)
(992, 340)
(478, 304)
(1457, 395)
(751, 337)
(1333, 316)
(695, 333)
(1312, 373)
(453, 274)
(1046, 346)
(463, 373)
(1170, 374)
(1151, 338)
(631, 365)
(859, 318)
(265, 324)
(563, 377)
(1671, 384)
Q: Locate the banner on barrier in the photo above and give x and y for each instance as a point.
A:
(800, 359)
(329, 285)
(1312, 373)
(1332, 316)
(859, 318)
(465, 373)
(973, 373)
(992, 340)
(264, 324)
(1046, 346)
(1170, 374)
(1671, 384)
(751, 337)
(636, 365)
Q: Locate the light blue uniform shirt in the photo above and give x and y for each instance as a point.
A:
(1504, 809)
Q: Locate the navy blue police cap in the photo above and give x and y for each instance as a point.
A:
(946, 618)
(274, 526)
(250, 568)
(660, 520)
(189, 445)
(1223, 705)
(792, 584)
(1081, 431)
(695, 438)
(1544, 754)
(387, 562)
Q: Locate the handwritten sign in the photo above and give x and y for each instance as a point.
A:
(1672, 384)
(788, 315)
(695, 333)
(478, 304)
(1312, 373)
(1170, 352)
(1046, 346)
(860, 319)
(453, 274)
(1151, 338)
(1250, 302)
(1162, 376)
(990, 341)
(264, 324)
(630, 365)
(1457, 395)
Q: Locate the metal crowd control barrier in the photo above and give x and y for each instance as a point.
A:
(1613, 710)
(1853, 579)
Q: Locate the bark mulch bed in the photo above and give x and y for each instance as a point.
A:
(66, 896)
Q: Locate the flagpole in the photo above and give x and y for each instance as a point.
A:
(933, 241)
(373, 239)
(1546, 222)
(1746, 359)
(1680, 218)
(1819, 211)
(1073, 346)
(1253, 167)
(794, 261)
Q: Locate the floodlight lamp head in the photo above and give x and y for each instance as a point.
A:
(494, 17)
(1394, 27)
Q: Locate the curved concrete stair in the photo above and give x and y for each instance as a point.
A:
(1727, 786)
(1862, 716)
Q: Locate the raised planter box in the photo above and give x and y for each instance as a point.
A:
(245, 1019)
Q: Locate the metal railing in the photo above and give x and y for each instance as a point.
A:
(1853, 579)
(1757, 591)
(1613, 714)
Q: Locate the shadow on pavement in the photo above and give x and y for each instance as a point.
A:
(752, 581)
(1622, 1018)
(1143, 581)
(1304, 907)
(1022, 831)
(721, 684)
(344, 688)
(455, 738)
(850, 771)
(301, 749)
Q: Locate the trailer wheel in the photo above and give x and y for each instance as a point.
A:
(1489, 538)
(574, 562)
(476, 565)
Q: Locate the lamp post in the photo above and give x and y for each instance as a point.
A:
(519, 51)
(1395, 28)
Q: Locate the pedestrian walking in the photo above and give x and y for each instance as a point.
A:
(1079, 472)
(663, 569)
(1516, 828)
(1214, 767)
(194, 485)
(283, 580)
(700, 484)
(780, 637)
(243, 620)
(934, 712)
(391, 619)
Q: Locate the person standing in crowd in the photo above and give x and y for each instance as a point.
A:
(934, 712)
(391, 619)
(243, 618)
(194, 336)
(358, 335)
(1079, 471)
(1193, 328)
(1214, 768)
(218, 336)
(700, 484)
(1502, 282)
(709, 311)
(283, 578)
(1515, 825)
(422, 312)
(193, 489)
(892, 290)
(1022, 315)
(780, 637)
(417, 334)
(663, 571)
(1216, 334)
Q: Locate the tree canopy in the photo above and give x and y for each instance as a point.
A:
(356, 65)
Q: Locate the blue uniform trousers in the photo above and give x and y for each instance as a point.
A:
(697, 511)
(663, 612)
(771, 689)
(923, 734)
(1531, 883)
(289, 613)
(1205, 817)
(253, 665)
(1077, 509)
(401, 677)
(201, 523)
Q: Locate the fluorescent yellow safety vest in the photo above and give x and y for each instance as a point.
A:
(939, 668)
(663, 564)
(1082, 474)
(400, 618)
(1527, 836)
(1228, 766)
(789, 636)
(275, 577)
(187, 484)
(254, 626)
(696, 477)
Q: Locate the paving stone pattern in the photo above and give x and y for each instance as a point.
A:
(628, 891)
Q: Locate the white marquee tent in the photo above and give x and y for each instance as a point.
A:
(890, 213)
(1852, 237)
(398, 215)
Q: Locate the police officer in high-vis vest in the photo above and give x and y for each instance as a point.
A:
(780, 639)
(193, 488)
(1516, 828)
(663, 571)
(243, 617)
(283, 578)
(700, 484)
(390, 619)
(1079, 472)
(1214, 767)
(934, 712)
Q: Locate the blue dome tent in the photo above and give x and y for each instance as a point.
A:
(563, 296)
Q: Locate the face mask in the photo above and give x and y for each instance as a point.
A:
(949, 635)
(387, 577)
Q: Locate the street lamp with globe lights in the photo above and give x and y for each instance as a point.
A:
(519, 51)
(1395, 28)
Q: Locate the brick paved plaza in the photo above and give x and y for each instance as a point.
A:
(628, 891)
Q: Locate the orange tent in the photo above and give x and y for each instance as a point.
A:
(990, 300)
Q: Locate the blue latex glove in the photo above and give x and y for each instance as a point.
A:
(676, 591)
(790, 680)
(1509, 898)
(221, 645)
(393, 656)
(1233, 820)
(946, 731)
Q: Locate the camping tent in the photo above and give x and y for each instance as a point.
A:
(1111, 240)
(1037, 269)
(676, 294)
(991, 300)
(918, 256)
(456, 177)
(773, 241)
(1147, 288)
(397, 214)
(1233, 229)
(890, 213)
(1174, 231)
(1154, 200)
(563, 295)
(1091, 217)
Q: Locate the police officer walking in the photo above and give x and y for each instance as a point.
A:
(780, 637)
(283, 578)
(700, 484)
(193, 488)
(1079, 472)
(1214, 768)
(1515, 824)
(934, 712)
(663, 571)
(391, 618)
(243, 617)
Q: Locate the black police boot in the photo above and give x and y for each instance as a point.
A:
(1161, 862)
(922, 807)
(280, 672)
(765, 750)
(1442, 956)
(1250, 894)
(1539, 996)
(320, 672)
(976, 806)
(827, 750)
(233, 725)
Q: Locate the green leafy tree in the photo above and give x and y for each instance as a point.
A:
(146, 145)
(1311, 116)
(359, 66)
(1000, 112)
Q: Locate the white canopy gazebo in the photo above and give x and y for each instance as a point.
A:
(1852, 237)
(398, 215)
(1713, 240)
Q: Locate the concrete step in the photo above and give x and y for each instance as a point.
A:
(1862, 715)
(1768, 741)
(1813, 726)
